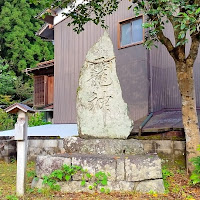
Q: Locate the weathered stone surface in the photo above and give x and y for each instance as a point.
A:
(128, 173)
(75, 186)
(120, 170)
(7, 150)
(146, 167)
(151, 185)
(163, 146)
(44, 147)
(46, 164)
(95, 164)
(37, 183)
(101, 110)
(102, 146)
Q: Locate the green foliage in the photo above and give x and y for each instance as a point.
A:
(18, 43)
(6, 121)
(93, 10)
(11, 87)
(31, 174)
(152, 192)
(183, 14)
(195, 177)
(20, 48)
(66, 172)
(11, 197)
(165, 174)
(7, 78)
(23, 89)
(37, 119)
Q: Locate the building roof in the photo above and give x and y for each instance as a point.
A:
(42, 65)
(164, 120)
(48, 18)
(19, 106)
(61, 130)
(46, 32)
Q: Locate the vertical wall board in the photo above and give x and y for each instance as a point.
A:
(165, 87)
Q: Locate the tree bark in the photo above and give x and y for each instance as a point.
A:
(189, 114)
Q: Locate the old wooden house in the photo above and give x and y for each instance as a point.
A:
(43, 76)
(147, 78)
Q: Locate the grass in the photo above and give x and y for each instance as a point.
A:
(178, 187)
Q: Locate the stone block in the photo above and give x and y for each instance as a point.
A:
(35, 143)
(150, 185)
(164, 146)
(37, 183)
(74, 186)
(95, 164)
(50, 143)
(60, 144)
(120, 172)
(102, 146)
(46, 164)
(146, 167)
(148, 146)
(179, 145)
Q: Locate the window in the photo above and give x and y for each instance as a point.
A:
(130, 32)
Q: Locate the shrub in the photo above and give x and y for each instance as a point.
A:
(6, 121)
(195, 177)
(66, 172)
(165, 174)
(37, 119)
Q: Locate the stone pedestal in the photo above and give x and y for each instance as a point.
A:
(128, 173)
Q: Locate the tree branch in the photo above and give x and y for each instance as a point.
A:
(167, 42)
(193, 49)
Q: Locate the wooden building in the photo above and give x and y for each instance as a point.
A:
(147, 78)
(43, 76)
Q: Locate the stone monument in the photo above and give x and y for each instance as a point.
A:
(101, 110)
(103, 124)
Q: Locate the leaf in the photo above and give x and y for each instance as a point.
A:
(89, 175)
(104, 182)
(198, 11)
(182, 26)
(83, 182)
(90, 187)
(67, 177)
(102, 190)
(60, 176)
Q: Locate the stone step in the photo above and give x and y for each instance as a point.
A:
(137, 172)
(103, 146)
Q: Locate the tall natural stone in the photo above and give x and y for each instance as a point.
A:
(102, 112)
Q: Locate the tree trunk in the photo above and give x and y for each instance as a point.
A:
(189, 113)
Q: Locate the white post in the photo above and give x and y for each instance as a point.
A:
(21, 137)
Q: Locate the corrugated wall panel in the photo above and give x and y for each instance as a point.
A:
(70, 52)
(165, 87)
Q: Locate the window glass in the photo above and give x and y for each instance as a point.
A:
(137, 31)
(131, 32)
(126, 34)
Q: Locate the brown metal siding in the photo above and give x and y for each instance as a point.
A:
(70, 52)
(165, 88)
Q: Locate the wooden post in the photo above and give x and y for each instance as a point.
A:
(21, 137)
